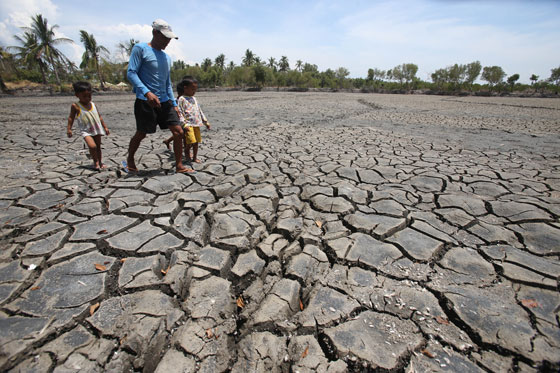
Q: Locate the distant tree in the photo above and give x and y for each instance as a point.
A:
(206, 64)
(242, 76)
(29, 53)
(6, 64)
(440, 77)
(375, 74)
(409, 71)
(397, 74)
(92, 54)
(512, 79)
(310, 68)
(260, 75)
(534, 78)
(555, 76)
(283, 65)
(299, 65)
(272, 63)
(47, 42)
(404, 73)
(249, 58)
(258, 61)
(493, 75)
(210, 77)
(472, 73)
(179, 65)
(358, 83)
(456, 75)
(327, 79)
(126, 47)
(341, 74)
(220, 61)
(389, 74)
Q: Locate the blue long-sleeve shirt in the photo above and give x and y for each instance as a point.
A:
(149, 71)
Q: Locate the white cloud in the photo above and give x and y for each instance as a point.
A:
(17, 14)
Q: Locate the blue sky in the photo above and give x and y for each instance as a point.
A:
(520, 36)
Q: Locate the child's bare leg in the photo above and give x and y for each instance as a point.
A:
(195, 152)
(97, 139)
(188, 152)
(92, 146)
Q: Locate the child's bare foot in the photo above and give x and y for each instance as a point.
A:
(103, 166)
(197, 161)
(167, 143)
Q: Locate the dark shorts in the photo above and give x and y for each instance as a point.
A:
(148, 118)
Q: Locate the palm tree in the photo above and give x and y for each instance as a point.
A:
(220, 61)
(47, 42)
(29, 54)
(249, 58)
(299, 65)
(6, 63)
(126, 46)
(92, 54)
(206, 64)
(178, 65)
(283, 65)
(272, 63)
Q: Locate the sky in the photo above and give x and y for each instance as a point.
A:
(522, 37)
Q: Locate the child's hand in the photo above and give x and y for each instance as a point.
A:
(69, 133)
(207, 125)
(107, 131)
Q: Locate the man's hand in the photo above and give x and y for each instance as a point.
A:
(153, 100)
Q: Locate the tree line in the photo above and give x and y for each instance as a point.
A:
(37, 58)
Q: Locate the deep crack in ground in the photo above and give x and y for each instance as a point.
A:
(356, 232)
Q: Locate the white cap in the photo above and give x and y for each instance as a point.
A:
(163, 27)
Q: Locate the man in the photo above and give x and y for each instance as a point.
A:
(149, 72)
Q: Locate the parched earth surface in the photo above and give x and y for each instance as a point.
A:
(323, 232)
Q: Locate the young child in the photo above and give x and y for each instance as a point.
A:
(169, 140)
(193, 117)
(90, 122)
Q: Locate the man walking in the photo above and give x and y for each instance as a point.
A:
(149, 70)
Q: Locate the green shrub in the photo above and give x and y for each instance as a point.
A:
(31, 75)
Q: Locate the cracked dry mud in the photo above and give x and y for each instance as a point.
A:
(322, 232)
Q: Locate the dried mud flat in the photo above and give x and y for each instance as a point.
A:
(324, 232)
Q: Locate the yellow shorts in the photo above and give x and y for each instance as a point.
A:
(192, 135)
